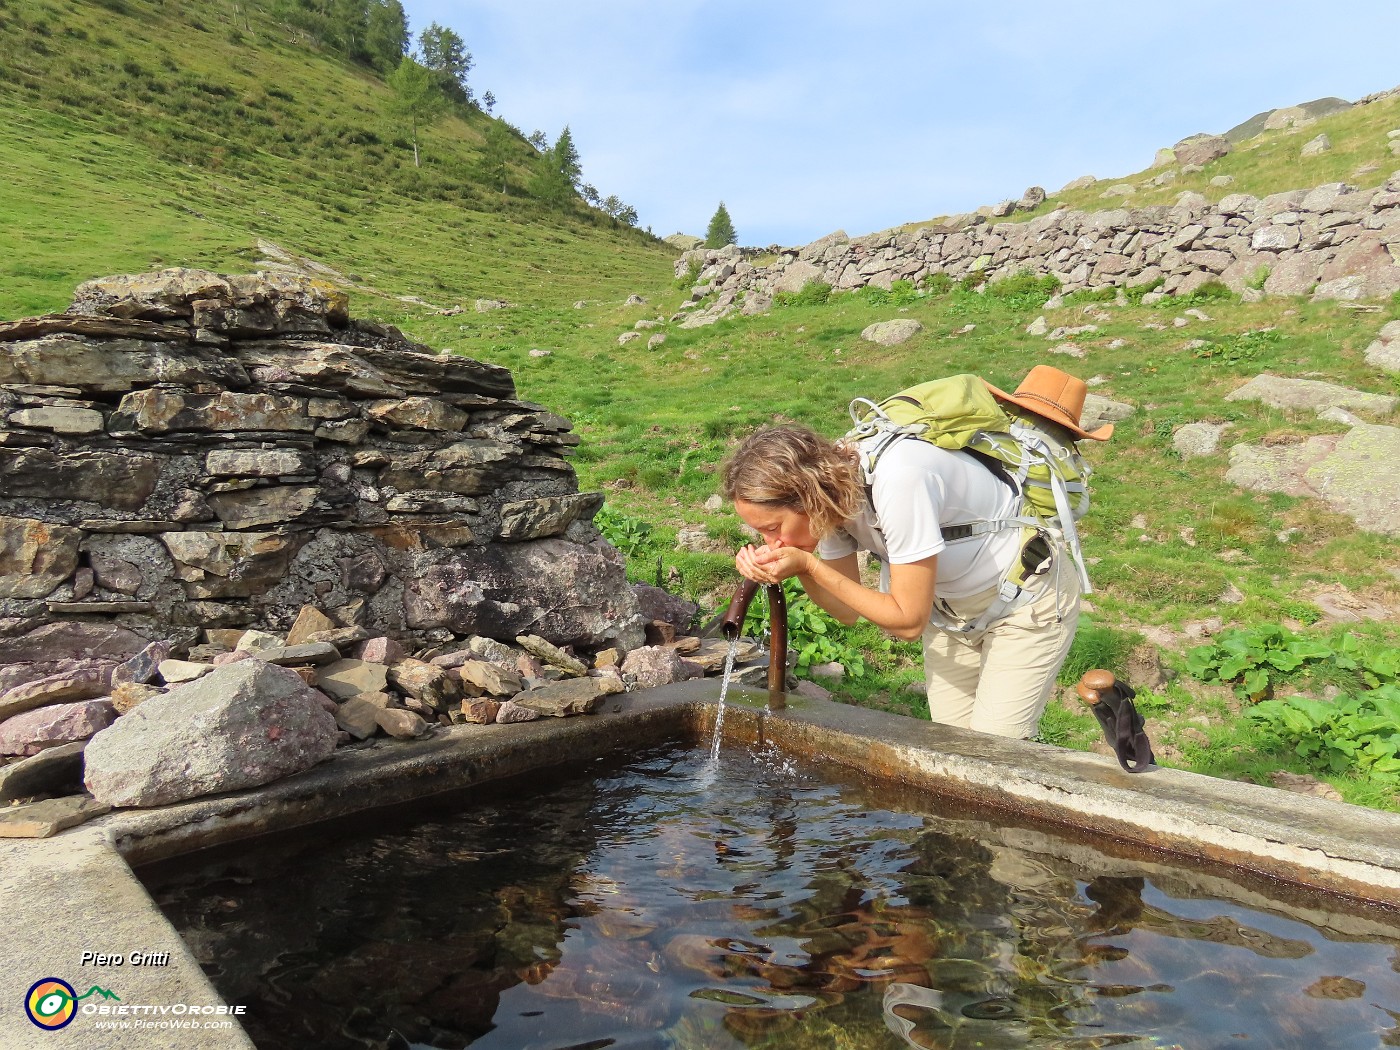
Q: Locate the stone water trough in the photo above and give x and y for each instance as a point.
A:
(75, 893)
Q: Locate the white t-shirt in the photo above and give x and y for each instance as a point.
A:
(917, 489)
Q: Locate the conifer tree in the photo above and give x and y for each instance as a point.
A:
(721, 229)
(497, 152)
(447, 56)
(558, 172)
(566, 157)
(417, 98)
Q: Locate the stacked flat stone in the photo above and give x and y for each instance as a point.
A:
(190, 450)
(1333, 241)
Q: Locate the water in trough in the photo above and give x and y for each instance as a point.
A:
(666, 900)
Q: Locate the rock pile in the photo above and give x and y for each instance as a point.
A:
(1333, 241)
(243, 708)
(185, 450)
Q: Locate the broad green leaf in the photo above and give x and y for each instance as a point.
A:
(1233, 667)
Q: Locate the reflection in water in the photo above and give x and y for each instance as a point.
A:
(670, 904)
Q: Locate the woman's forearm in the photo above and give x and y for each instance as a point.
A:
(824, 593)
(904, 611)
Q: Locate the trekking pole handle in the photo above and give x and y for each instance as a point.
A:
(1094, 684)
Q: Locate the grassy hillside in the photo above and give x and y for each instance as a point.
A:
(145, 133)
(1267, 163)
(142, 133)
(1173, 546)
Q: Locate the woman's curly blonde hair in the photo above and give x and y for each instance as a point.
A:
(795, 468)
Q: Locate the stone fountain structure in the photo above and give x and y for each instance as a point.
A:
(186, 450)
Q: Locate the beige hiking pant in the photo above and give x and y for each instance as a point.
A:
(1000, 679)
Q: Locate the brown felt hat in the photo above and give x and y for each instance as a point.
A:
(1057, 396)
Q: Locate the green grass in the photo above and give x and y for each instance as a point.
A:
(118, 156)
(656, 424)
(185, 146)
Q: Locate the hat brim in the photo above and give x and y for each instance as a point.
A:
(1037, 408)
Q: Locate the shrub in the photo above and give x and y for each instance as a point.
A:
(1137, 291)
(1211, 291)
(1025, 284)
(1024, 290)
(623, 531)
(973, 281)
(691, 275)
(902, 293)
(1098, 295)
(814, 293)
(938, 284)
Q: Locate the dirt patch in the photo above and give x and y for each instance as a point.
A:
(1339, 604)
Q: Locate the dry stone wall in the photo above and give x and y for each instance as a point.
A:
(1333, 241)
(188, 450)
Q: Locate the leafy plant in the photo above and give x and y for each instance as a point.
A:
(1091, 295)
(902, 293)
(814, 293)
(1239, 346)
(941, 284)
(623, 531)
(974, 280)
(1253, 658)
(691, 275)
(1356, 734)
(1210, 292)
(1024, 290)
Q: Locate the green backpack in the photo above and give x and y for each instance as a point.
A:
(1036, 456)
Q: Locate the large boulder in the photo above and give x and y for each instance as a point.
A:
(1364, 269)
(1350, 472)
(1311, 395)
(568, 593)
(1384, 353)
(892, 333)
(242, 725)
(1200, 150)
(1357, 478)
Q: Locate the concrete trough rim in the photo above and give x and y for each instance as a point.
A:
(1348, 854)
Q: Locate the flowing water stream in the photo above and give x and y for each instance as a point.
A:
(723, 692)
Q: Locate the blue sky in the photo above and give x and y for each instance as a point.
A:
(809, 117)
